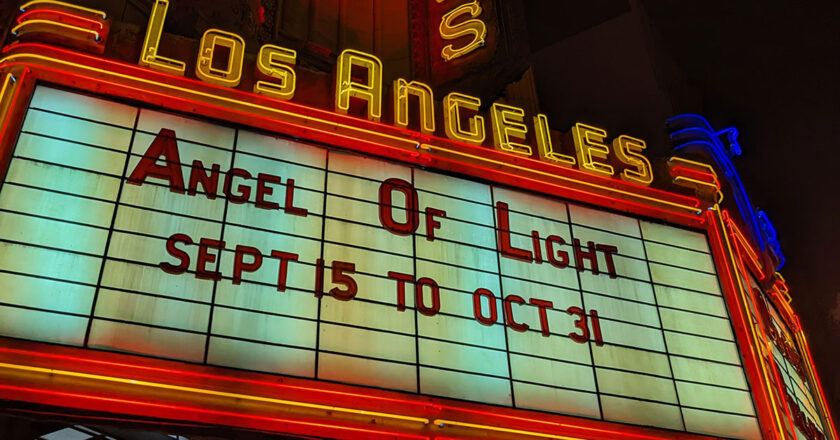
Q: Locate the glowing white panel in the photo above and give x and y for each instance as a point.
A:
(150, 250)
(556, 400)
(631, 359)
(55, 205)
(464, 280)
(697, 370)
(46, 294)
(533, 205)
(561, 298)
(727, 425)
(261, 357)
(636, 385)
(465, 386)
(627, 246)
(262, 298)
(633, 335)
(368, 343)
(367, 372)
(556, 347)
(42, 326)
(465, 222)
(383, 290)
(680, 257)
(615, 308)
(366, 168)
(674, 236)
(544, 273)
(164, 225)
(463, 358)
(677, 277)
(70, 154)
(262, 327)
(523, 224)
(620, 287)
(62, 179)
(444, 185)
(638, 412)
(83, 106)
(286, 150)
(606, 221)
(139, 339)
(458, 254)
(558, 374)
(52, 233)
(130, 276)
(189, 129)
(697, 324)
(360, 314)
(49, 263)
(369, 237)
(366, 261)
(143, 309)
(365, 190)
(277, 220)
(364, 211)
(161, 198)
(691, 301)
(466, 330)
(715, 398)
(702, 348)
(45, 125)
(308, 250)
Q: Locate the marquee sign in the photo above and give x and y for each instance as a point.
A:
(178, 249)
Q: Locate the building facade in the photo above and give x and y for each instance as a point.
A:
(351, 220)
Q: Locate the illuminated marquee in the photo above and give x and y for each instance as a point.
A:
(244, 250)
(400, 282)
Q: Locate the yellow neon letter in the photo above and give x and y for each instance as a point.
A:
(470, 27)
(589, 143)
(452, 105)
(508, 122)
(276, 62)
(544, 146)
(627, 150)
(230, 75)
(149, 54)
(370, 91)
(427, 106)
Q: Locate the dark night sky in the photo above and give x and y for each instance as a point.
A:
(770, 68)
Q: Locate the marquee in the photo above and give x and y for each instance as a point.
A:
(186, 251)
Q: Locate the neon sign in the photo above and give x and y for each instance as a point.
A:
(461, 113)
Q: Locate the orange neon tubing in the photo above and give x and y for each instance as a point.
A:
(321, 390)
(815, 379)
(407, 142)
(27, 5)
(56, 23)
(187, 409)
(94, 23)
(735, 280)
(142, 383)
(698, 175)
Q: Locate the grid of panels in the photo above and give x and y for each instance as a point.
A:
(795, 385)
(80, 248)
